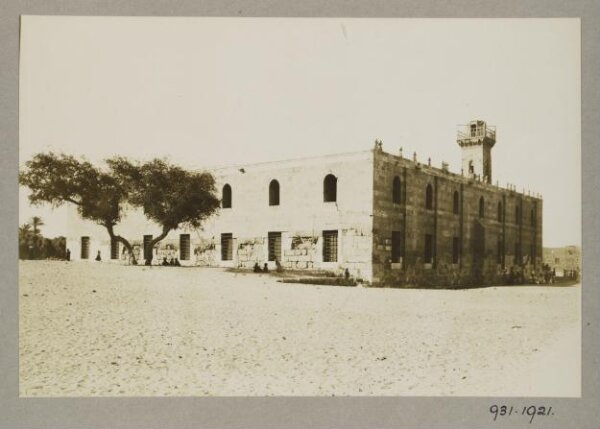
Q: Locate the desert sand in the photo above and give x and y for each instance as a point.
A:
(98, 329)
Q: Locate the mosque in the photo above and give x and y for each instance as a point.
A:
(378, 215)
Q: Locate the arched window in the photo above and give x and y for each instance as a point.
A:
(455, 203)
(532, 217)
(517, 215)
(396, 191)
(274, 193)
(226, 197)
(499, 211)
(429, 197)
(481, 207)
(330, 188)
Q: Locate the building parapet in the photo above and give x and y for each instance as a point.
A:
(445, 172)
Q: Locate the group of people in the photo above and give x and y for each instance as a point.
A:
(545, 275)
(572, 274)
(174, 262)
(265, 268)
(258, 269)
(528, 274)
(513, 275)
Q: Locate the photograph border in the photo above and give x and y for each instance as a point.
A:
(296, 412)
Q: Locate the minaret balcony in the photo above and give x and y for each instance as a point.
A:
(476, 132)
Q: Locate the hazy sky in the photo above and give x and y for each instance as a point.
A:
(218, 91)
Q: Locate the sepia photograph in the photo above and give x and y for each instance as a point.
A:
(219, 207)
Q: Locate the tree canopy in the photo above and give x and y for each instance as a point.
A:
(168, 194)
(58, 179)
(33, 245)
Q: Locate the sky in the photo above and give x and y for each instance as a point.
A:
(218, 91)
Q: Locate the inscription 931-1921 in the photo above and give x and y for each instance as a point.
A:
(531, 411)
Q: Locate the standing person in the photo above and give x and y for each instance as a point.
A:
(265, 268)
(68, 255)
(98, 257)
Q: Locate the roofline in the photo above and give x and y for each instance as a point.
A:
(465, 179)
(284, 161)
(437, 170)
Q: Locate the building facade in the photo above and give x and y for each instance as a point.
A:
(381, 216)
(563, 260)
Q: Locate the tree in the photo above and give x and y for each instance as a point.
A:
(33, 245)
(54, 248)
(31, 241)
(36, 239)
(58, 179)
(25, 241)
(168, 195)
(36, 222)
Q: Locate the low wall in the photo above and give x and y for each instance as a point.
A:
(453, 277)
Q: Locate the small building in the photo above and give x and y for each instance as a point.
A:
(379, 215)
(563, 260)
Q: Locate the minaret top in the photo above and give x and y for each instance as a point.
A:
(476, 140)
(475, 133)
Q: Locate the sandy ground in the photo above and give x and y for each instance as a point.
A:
(106, 330)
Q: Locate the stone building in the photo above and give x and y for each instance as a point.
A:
(563, 259)
(379, 215)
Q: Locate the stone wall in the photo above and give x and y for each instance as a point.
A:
(480, 256)
(302, 213)
(365, 217)
(563, 259)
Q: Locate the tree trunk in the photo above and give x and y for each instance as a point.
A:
(154, 241)
(128, 246)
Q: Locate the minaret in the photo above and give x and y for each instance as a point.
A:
(476, 141)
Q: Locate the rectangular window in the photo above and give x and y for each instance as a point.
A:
(499, 251)
(114, 249)
(227, 247)
(275, 246)
(85, 247)
(184, 247)
(455, 249)
(147, 248)
(330, 246)
(517, 253)
(396, 246)
(428, 249)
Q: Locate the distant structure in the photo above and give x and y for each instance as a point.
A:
(376, 214)
(563, 259)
